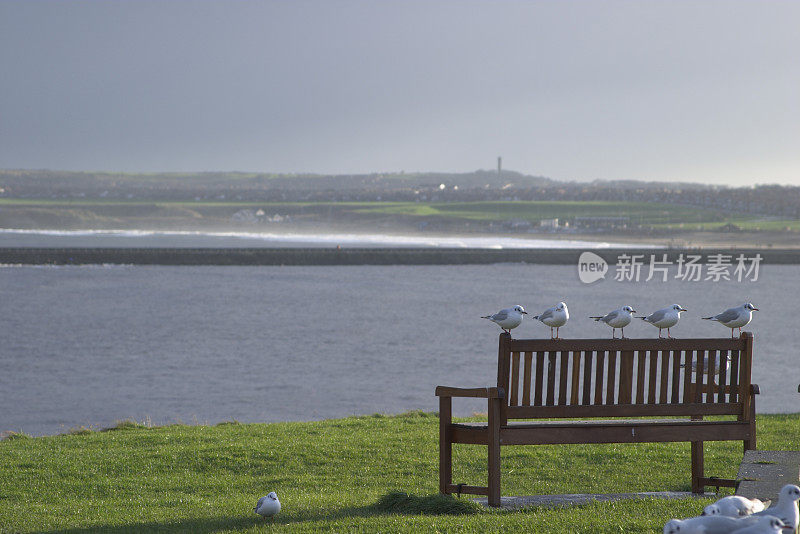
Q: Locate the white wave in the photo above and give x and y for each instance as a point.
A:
(334, 239)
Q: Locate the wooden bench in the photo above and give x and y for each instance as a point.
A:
(554, 380)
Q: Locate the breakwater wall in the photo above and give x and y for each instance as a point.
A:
(360, 256)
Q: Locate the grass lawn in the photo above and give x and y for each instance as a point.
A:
(335, 475)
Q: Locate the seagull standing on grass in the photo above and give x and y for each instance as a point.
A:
(555, 317)
(666, 318)
(507, 318)
(735, 318)
(617, 319)
(268, 506)
(786, 508)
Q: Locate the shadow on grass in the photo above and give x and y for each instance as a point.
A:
(393, 503)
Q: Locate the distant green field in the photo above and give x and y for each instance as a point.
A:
(639, 214)
(534, 211)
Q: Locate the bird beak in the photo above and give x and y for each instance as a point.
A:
(526, 313)
(684, 309)
(634, 311)
(755, 309)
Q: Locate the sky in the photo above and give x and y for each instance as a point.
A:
(697, 91)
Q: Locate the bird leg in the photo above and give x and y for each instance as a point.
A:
(557, 333)
(551, 333)
(732, 331)
(669, 335)
(613, 332)
(623, 333)
(659, 334)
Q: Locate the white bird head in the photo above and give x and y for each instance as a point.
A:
(520, 309)
(749, 306)
(712, 509)
(561, 306)
(679, 308)
(673, 526)
(790, 492)
(628, 309)
(272, 495)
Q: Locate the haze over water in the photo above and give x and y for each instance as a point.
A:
(92, 345)
(225, 239)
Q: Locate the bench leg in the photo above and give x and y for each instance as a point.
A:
(494, 452)
(445, 445)
(750, 444)
(697, 467)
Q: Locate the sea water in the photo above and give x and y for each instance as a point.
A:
(91, 345)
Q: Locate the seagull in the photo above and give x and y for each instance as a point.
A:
(765, 525)
(617, 319)
(786, 508)
(268, 506)
(707, 524)
(507, 318)
(735, 506)
(735, 318)
(717, 367)
(554, 317)
(666, 318)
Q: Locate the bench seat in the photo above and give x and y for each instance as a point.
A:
(594, 431)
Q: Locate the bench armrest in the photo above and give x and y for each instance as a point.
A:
(485, 393)
(754, 389)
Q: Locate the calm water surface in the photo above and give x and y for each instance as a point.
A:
(92, 345)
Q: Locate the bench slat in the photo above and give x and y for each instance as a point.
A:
(563, 368)
(537, 395)
(734, 395)
(698, 374)
(576, 372)
(514, 399)
(676, 374)
(526, 384)
(641, 358)
(662, 392)
(723, 376)
(611, 377)
(651, 387)
(710, 374)
(587, 377)
(598, 381)
(551, 378)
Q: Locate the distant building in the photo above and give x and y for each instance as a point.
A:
(548, 223)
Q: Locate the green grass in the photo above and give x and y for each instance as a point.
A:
(375, 473)
(644, 214)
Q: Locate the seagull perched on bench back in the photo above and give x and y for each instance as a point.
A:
(554, 317)
(735, 318)
(665, 318)
(507, 318)
(617, 319)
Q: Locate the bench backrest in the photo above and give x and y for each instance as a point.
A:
(546, 378)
